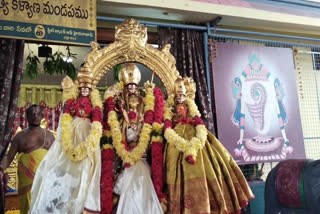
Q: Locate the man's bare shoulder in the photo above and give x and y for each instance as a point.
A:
(21, 133)
(50, 134)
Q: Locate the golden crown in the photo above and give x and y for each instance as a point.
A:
(85, 78)
(185, 86)
(130, 74)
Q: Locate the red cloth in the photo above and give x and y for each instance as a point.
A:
(69, 106)
(96, 114)
(83, 107)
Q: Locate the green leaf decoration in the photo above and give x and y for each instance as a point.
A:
(32, 69)
(54, 64)
(49, 65)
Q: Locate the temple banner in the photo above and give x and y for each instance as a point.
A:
(257, 103)
(72, 21)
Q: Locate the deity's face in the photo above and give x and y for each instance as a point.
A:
(132, 89)
(180, 98)
(84, 91)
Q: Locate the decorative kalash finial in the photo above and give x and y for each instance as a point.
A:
(131, 30)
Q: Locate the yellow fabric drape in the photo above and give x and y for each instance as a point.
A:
(214, 184)
(34, 94)
(27, 167)
(50, 94)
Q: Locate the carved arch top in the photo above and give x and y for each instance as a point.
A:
(131, 46)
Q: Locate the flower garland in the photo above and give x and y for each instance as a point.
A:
(131, 157)
(107, 179)
(157, 146)
(82, 150)
(107, 159)
(189, 147)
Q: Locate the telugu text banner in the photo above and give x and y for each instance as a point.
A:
(72, 21)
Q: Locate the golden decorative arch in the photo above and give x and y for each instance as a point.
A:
(131, 46)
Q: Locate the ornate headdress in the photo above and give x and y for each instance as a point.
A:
(185, 86)
(130, 74)
(85, 78)
(179, 87)
(191, 87)
(67, 83)
(70, 89)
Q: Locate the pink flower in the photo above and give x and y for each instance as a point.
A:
(190, 159)
(132, 115)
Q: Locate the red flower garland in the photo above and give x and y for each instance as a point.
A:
(158, 103)
(105, 116)
(106, 184)
(107, 173)
(109, 104)
(148, 117)
(157, 148)
(197, 121)
(157, 168)
(106, 181)
(167, 124)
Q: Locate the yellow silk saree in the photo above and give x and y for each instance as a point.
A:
(214, 184)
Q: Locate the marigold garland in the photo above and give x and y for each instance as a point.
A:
(168, 108)
(95, 98)
(131, 157)
(188, 147)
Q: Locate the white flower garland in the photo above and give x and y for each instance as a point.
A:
(81, 151)
(188, 147)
